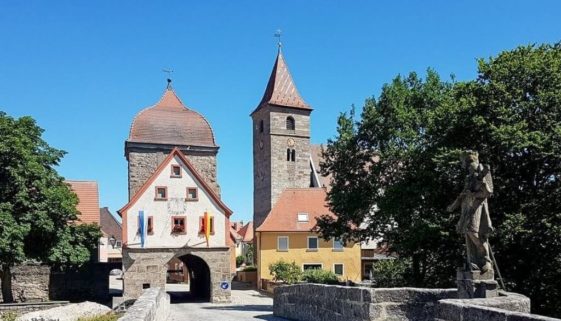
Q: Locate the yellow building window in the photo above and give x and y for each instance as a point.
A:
(338, 268)
(313, 243)
(337, 245)
(282, 243)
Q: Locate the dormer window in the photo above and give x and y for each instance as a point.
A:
(175, 171)
(290, 123)
(303, 217)
(192, 194)
(161, 193)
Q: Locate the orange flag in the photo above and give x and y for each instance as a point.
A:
(206, 222)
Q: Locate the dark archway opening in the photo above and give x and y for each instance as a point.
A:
(198, 286)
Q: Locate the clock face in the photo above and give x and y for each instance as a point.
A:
(290, 142)
(176, 206)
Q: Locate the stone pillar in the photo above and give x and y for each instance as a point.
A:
(474, 284)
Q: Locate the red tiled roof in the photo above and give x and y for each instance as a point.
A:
(88, 200)
(109, 224)
(284, 215)
(247, 232)
(171, 122)
(281, 89)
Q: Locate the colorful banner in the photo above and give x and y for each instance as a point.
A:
(141, 228)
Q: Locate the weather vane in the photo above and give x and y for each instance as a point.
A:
(168, 71)
(278, 34)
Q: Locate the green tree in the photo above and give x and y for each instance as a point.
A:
(289, 273)
(397, 168)
(37, 208)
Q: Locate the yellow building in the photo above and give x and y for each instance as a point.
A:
(286, 234)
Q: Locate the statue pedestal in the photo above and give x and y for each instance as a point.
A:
(474, 284)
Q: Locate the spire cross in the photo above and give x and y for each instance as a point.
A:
(278, 34)
(168, 71)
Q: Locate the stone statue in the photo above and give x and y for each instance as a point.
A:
(475, 222)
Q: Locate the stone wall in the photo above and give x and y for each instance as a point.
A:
(272, 173)
(145, 268)
(144, 161)
(315, 302)
(152, 305)
(30, 283)
(22, 308)
(89, 282)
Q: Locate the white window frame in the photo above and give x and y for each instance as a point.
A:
(308, 244)
(320, 265)
(336, 249)
(342, 267)
(287, 243)
(303, 214)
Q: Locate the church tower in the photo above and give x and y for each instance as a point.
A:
(281, 141)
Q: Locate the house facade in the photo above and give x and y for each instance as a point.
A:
(175, 211)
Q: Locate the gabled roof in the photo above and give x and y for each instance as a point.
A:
(284, 215)
(164, 164)
(88, 200)
(247, 232)
(109, 224)
(281, 90)
(170, 122)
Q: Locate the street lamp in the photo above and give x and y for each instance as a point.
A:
(112, 241)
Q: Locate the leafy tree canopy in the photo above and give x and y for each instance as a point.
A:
(397, 168)
(37, 208)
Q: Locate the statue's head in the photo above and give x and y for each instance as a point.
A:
(470, 159)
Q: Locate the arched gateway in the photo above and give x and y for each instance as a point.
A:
(174, 208)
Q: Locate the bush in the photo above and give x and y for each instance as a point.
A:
(249, 269)
(239, 260)
(8, 316)
(286, 272)
(320, 276)
(111, 316)
(390, 273)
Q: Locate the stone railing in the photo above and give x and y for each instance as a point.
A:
(315, 302)
(152, 305)
(22, 308)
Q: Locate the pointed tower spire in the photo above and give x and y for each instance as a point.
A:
(281, 90)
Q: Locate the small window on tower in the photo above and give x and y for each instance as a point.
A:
(288, 155)
(161, 193)
(293, 155)
(261, 126)
(192, 194)
(290, 124)
(175, 171)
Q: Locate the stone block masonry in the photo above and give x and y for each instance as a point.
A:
(152, 305)
(147, 268)
(30, 283)
(316, 302)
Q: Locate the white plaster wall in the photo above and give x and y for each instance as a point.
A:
(192, 210)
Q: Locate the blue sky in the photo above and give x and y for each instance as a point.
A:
(83, 69)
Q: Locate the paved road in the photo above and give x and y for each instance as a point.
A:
(246, 305)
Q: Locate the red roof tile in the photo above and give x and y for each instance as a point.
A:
(284, 215)
(247, 232)
(171, 122)
(88, 200)
(281, 89)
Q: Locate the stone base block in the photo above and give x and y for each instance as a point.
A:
(474, 284)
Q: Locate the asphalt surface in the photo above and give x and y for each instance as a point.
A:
(247, 304)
